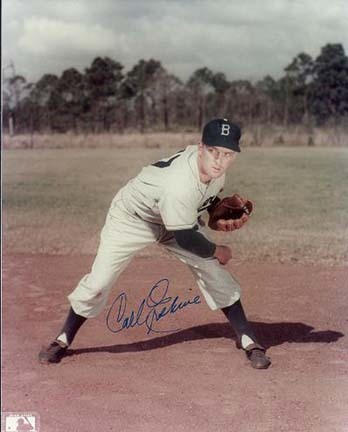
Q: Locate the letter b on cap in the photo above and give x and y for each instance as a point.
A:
(225, 129)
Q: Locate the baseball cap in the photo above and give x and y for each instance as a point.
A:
(222, 133)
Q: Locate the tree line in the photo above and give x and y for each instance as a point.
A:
(105, 98)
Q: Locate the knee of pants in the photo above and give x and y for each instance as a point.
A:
(98, 283)
(212, 272)
(88, 307)
(90, 295)
(222, 277)
(217, 284)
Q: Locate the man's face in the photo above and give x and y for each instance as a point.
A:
(214, 161)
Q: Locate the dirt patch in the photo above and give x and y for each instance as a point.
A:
(190, 379)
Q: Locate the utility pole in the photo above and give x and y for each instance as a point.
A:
(10, 118)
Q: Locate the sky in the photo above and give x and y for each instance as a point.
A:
(245, 39)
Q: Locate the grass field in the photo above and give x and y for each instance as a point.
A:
(55, 200)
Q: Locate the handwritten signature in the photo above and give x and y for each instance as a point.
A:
(150, 311)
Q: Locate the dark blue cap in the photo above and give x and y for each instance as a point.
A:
(222, 133)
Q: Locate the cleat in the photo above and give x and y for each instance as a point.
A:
(258, 358)
(53, 353)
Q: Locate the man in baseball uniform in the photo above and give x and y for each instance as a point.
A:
(163, 204)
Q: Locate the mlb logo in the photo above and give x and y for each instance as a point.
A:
(13, 422)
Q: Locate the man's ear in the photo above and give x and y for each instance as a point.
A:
(200, 147)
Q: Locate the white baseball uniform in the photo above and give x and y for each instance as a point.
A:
(166, 196)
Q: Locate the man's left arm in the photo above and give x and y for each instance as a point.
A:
(195, 242)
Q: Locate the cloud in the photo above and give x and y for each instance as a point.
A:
(242, 38)
(48, 36)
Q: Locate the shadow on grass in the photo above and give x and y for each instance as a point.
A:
(269, 334)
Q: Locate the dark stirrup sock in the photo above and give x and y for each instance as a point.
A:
(241, 326)
(70, 328)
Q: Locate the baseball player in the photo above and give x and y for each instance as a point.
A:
(163, 204)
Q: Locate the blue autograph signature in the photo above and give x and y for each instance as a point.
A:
(152, 309)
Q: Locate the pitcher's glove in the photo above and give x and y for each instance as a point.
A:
(229, 213)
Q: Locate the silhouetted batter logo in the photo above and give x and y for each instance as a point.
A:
(13, 422)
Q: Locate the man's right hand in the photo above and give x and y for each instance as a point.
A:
(223, 254)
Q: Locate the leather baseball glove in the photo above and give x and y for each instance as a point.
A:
(229, 213)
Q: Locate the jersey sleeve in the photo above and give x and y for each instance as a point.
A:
(195, 242)
(177, 209)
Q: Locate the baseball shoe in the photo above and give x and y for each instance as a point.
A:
(53, 353)
(258, 358)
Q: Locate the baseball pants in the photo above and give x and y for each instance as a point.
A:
(122, 236)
